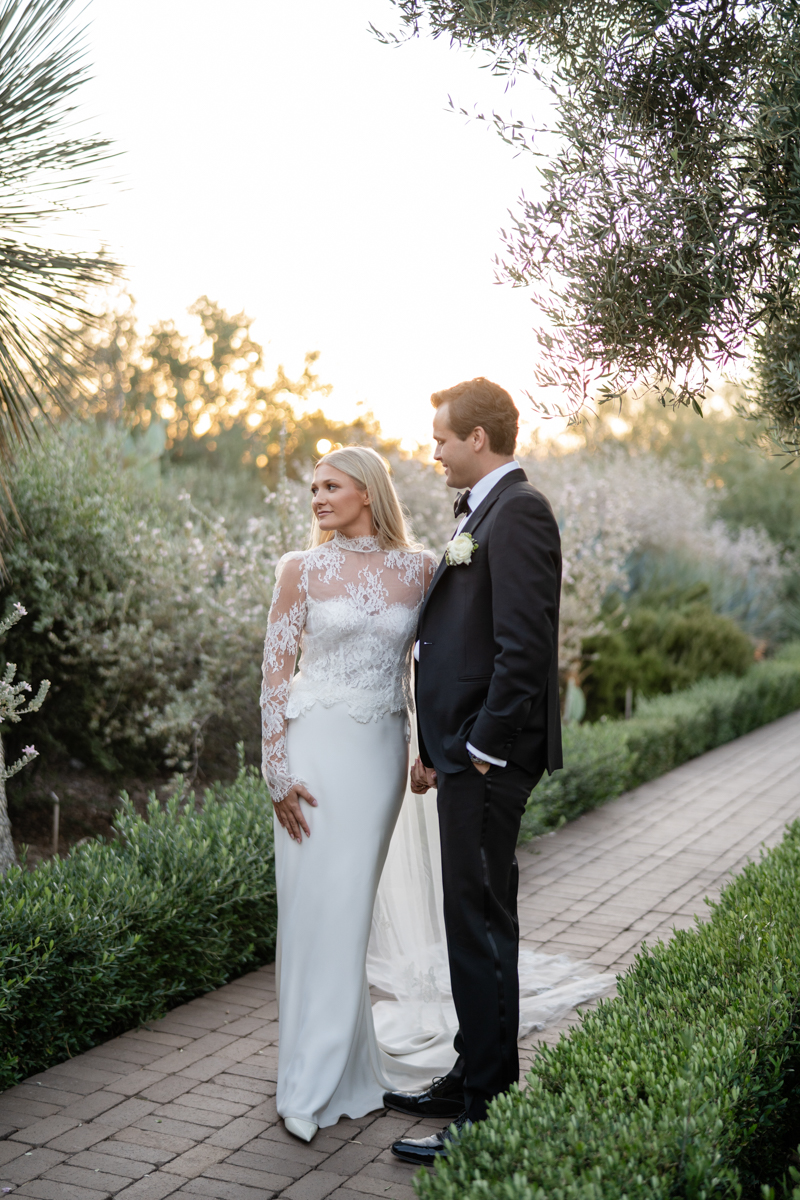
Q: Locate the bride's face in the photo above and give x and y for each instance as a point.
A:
(338, 502)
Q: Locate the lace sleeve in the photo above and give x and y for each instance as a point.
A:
(429, 565)
(287, 617)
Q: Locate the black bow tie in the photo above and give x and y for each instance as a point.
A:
(461, 505)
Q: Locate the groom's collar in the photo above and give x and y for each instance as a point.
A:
(482, 488)
(514, 474)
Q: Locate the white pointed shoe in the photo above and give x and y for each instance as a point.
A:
(301, 1129)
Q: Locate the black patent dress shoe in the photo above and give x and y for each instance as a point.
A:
(423, 1152)
(444, 1098)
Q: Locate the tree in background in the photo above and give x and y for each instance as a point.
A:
(44, 166)
(209, 402)
(667, 237)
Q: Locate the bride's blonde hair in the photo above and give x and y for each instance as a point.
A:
(371, 473)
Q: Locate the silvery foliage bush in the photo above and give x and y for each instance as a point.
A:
(621, 518)
(149, 615)
(597, 538)
(16, 700)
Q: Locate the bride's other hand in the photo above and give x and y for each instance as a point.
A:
(290, 814)
(422, 777)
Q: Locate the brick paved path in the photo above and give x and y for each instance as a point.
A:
(185, 1105)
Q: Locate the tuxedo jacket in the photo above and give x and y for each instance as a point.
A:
(488, 639)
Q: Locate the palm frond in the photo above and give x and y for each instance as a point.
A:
(45, 165)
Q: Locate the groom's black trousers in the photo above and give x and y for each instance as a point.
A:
(479, 820)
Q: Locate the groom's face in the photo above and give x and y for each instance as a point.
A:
(459, 459)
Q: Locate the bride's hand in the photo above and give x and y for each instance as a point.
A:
(290, 814)
(422, 777)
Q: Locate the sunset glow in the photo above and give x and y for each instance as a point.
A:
(343, 207)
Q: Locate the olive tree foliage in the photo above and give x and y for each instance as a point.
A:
(46, 162)
(663, 244)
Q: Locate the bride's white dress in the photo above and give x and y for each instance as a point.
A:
(340, 726)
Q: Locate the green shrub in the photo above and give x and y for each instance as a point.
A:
(687, 1085)
(661, 649)
(604, 759)
(121, 931)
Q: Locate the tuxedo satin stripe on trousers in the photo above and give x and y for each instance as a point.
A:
(479, 820)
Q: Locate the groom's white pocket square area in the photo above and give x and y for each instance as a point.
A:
(460, 550)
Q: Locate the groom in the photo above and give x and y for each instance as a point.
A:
(489, 726)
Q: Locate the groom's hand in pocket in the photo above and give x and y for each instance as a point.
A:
(290, 814)
(422, 777)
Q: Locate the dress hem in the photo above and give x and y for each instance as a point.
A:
(327, 1122)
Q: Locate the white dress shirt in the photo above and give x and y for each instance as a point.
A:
(478, 494)
(482, 488)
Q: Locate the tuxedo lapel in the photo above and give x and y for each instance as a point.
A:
(473, 521)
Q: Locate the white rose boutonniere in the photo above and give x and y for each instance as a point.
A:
(460, 550)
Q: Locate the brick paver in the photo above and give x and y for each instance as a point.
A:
(185, 1106)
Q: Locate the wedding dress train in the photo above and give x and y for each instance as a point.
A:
(407, 960)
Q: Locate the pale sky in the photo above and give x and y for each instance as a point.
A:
(280, 160)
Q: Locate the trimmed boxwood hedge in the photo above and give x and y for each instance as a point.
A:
(121, 931)
(606, 758)
(686, 1085)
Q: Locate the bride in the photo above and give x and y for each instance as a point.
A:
(335, 758)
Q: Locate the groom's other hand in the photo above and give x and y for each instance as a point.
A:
(422, 778)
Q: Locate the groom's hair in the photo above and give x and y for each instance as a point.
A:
(481, 402)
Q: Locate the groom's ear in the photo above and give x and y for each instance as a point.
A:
(479, 439)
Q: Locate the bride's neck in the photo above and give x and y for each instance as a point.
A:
(362, 528)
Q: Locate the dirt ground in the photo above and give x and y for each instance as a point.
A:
(87, 803)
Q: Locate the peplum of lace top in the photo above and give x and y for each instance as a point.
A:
(350, 609)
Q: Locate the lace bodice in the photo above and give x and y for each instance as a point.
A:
(350, 608)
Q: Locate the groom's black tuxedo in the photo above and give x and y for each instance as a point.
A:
(488, 634)
(488, 675)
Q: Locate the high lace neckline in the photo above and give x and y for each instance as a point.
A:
(362, 545)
